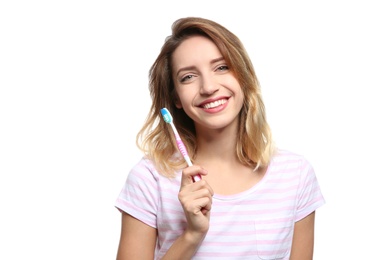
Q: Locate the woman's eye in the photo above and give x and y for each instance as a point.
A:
(188, 77)
(224, 67)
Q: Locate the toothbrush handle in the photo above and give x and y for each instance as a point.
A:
(183, 151)
(196, 178)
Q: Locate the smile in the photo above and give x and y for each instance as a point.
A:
(214, 104)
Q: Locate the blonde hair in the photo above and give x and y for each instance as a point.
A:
(254, 144)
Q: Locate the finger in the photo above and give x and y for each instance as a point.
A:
(210, 189)
(205, 205)
(204, 189)
(189, 172)
(198, 205)
(195, 199)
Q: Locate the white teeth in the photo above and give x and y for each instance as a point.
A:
(214, 104)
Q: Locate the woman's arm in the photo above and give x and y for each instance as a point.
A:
(303, 239)
(196, 199)
(137, 240)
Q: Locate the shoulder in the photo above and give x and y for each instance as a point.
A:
(291, 166)
(288, 158)
(144, 168)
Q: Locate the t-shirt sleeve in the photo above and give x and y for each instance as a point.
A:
(309, 197)
(139, 195)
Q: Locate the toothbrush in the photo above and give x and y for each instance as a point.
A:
(183, 150)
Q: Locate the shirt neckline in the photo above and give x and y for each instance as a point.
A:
(240, 195)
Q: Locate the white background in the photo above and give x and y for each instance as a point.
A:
(73, 77)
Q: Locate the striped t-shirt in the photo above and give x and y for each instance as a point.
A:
(254, 224)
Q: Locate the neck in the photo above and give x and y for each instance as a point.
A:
(217, 145)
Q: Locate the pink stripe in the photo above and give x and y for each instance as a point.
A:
(127, 205)
(253, 212)
(147, 181)
(178, 231)
(253, 202)
(287, 161)
(250, 222)
(277, 190)
(136, 212)
(244, 243)
(176, 212)
(167, 200)
(314, 200)
(229, 244)
(173, 193)
(225, 254)
(284, 179)
(141, 197)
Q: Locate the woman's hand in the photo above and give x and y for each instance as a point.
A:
(196, 200)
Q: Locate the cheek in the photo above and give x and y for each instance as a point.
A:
(178, 103)
(242, 96)
(240, 99)
(177, 100)
(237, 89)
(184, 97)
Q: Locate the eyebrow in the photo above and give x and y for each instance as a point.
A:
(193, 67)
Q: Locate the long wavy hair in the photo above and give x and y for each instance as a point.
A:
(254, 143)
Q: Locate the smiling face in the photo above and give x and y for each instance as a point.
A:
(207, 89)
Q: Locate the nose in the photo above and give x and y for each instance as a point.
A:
(209, 86)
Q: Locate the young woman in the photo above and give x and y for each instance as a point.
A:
(254, 201)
